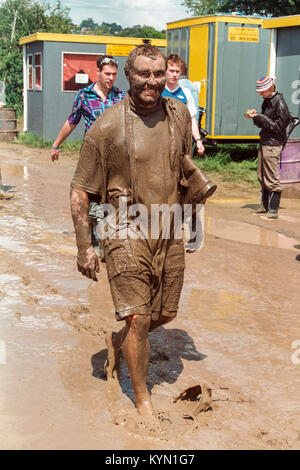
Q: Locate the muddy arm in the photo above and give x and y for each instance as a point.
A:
(87, 260)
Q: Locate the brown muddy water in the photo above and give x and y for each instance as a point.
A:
(237, 329)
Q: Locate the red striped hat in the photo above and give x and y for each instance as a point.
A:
(264, 84)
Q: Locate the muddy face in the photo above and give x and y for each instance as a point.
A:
(147, 80)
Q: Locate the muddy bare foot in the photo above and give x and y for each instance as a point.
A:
(112, 363)
(147, 415)
(152, 426)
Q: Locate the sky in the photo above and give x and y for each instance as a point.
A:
(156, 13)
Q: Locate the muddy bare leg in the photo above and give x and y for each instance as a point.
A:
(136, 350)
(114, 346)
(114, 350)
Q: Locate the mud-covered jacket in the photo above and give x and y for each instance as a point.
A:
(109, 166)
(273, 120)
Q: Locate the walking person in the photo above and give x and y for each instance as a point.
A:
(134, 151)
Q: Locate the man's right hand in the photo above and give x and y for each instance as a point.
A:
(54, 154)
(88, 263)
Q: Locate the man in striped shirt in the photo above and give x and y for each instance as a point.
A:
(92, 101)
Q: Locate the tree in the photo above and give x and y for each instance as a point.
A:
(109, 29)
(19, 18)
(202, 7)
(247, 7)
(145, 31)
(137, 31)
(88, 25)
(58, 19)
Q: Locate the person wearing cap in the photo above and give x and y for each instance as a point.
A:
(92, 101)
(272, 121)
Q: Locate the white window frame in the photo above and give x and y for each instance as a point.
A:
(28, 68)
(41, 71)
(97, 54)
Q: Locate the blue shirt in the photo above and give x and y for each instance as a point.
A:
(178, 94)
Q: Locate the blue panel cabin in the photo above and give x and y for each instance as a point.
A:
(55, 66)
(225, 54)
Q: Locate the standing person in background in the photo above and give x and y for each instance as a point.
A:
(272, 120)
(92, 101)
(184, 82)
(173, 90)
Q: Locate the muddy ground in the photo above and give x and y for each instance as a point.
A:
(237, 328)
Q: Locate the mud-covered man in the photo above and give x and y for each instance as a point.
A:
(133, 153)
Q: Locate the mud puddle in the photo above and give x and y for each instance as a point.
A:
(234, 331)
(249, 233)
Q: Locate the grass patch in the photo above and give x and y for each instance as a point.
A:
(234, 163)
(32, 140)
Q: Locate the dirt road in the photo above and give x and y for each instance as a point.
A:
(238, 327)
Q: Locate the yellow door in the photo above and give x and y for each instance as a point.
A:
(198, 61)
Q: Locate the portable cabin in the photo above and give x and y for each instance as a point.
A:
(284, 61)
(225, 55)
(56, 66)
(284, 64)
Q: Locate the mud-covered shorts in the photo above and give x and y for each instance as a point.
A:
(145, 276)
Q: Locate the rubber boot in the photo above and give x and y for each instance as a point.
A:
(274, 201)
(264, 205)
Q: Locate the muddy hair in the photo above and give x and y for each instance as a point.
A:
(143, 49)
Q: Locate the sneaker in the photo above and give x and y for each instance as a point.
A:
(270, 215)
(4, 195)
